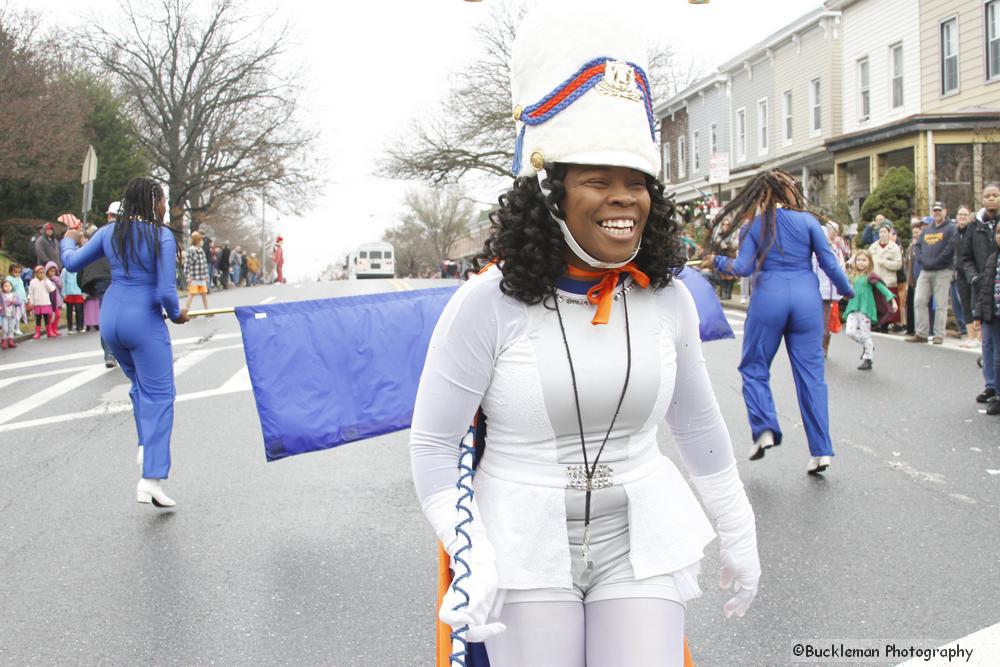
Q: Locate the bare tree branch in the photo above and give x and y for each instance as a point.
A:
(212, 102)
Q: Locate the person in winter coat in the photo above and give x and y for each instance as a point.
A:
(56, 297)
(977, 248)
(74, 299)
(987, 311)
(94, 280)
(47, 247)
(887, 260)
(40, 302)
(11, 313)
(223, 264)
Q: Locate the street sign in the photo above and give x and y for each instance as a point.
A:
(87, 178)
(718, 168)
(89, 166)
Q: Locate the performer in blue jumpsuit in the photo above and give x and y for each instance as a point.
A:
(778, 246)
(142, 253)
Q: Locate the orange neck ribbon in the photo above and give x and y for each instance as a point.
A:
(603, 293)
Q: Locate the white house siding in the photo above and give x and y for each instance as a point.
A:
(815, 54)
(973, 89)
(870, 27)
(711, 105)
(746, 90)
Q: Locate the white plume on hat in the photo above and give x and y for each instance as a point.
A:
(553, 42)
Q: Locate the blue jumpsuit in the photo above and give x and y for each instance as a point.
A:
(785, 303)
(133, 329)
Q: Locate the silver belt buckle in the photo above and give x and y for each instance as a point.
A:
(603, 477)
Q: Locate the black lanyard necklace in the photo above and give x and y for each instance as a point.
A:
(589, 470)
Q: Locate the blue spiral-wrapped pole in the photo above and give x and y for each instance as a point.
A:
(467, 452)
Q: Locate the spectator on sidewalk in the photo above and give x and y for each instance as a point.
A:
(961, 305)
(56, 297)
(47, 247)
(196, 271)
(112, 212)
(827, 290)
(870, 233)
(911, 266)
(279, 260)
(987, 311)
(253, 266)
(11, 312)
(887, 260)
(14, 272)
(223, 264)
(936, 254)
(40, 302)
(871, 303)
(975, 255)
(74, 299)
(235, 265)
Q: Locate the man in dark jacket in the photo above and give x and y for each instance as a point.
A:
(978, 246)
(935, 251)
(224, 264)
(987, 311)
(47, 247)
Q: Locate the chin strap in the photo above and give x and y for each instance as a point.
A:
(571, 242)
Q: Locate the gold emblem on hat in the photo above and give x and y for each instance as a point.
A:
(619, 81)
(537, 161)
(517, 112)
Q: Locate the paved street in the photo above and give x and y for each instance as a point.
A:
(325, 559)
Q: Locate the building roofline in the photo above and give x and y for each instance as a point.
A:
(777, 38)
(911, 124)
(672, 104)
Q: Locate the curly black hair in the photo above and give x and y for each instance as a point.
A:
(527, 243)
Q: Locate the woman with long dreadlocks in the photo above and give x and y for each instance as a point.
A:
(777, 247)
(142, 252)
(576, 342)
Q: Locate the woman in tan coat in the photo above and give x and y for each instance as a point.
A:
(887, 259)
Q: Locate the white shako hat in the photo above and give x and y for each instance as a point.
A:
(580, 90)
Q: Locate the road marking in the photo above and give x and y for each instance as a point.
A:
(100, 353)
(30, 376)
(268, 300)
(238, 383)
(51, 393)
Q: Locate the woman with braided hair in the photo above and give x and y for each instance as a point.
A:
(142, 252)
(575, 342)
(777, 247)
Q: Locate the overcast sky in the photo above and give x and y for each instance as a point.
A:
(372, 65)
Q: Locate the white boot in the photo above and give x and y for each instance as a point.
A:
(818, 464)
(150, 491)
(763, 441)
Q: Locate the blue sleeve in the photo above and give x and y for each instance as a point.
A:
(746, 260)
(166, 274)
(76, 257)
(828, 261)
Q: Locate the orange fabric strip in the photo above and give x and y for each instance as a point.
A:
(443, 632)
(603, 293)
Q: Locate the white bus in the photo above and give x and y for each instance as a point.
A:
(371, 260)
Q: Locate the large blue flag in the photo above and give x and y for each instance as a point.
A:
(332, 371)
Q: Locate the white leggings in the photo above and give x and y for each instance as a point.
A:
(608, 633)
(859, 329)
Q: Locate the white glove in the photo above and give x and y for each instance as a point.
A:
(481, 586)
(726, 501)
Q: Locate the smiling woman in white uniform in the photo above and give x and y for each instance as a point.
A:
(577, 342)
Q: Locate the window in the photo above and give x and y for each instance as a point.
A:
(388, 254)
(762, 126)
(666, 162)
(993, 39)
(363, 254)
(786, 114)
(896, 63)
(375, 254)
(741, 135)
(949, 57)
(815, 110)
(713, 139)
(681, 157)
(864, 90)
(695, 148)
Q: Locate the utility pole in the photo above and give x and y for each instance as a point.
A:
(263, 234)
